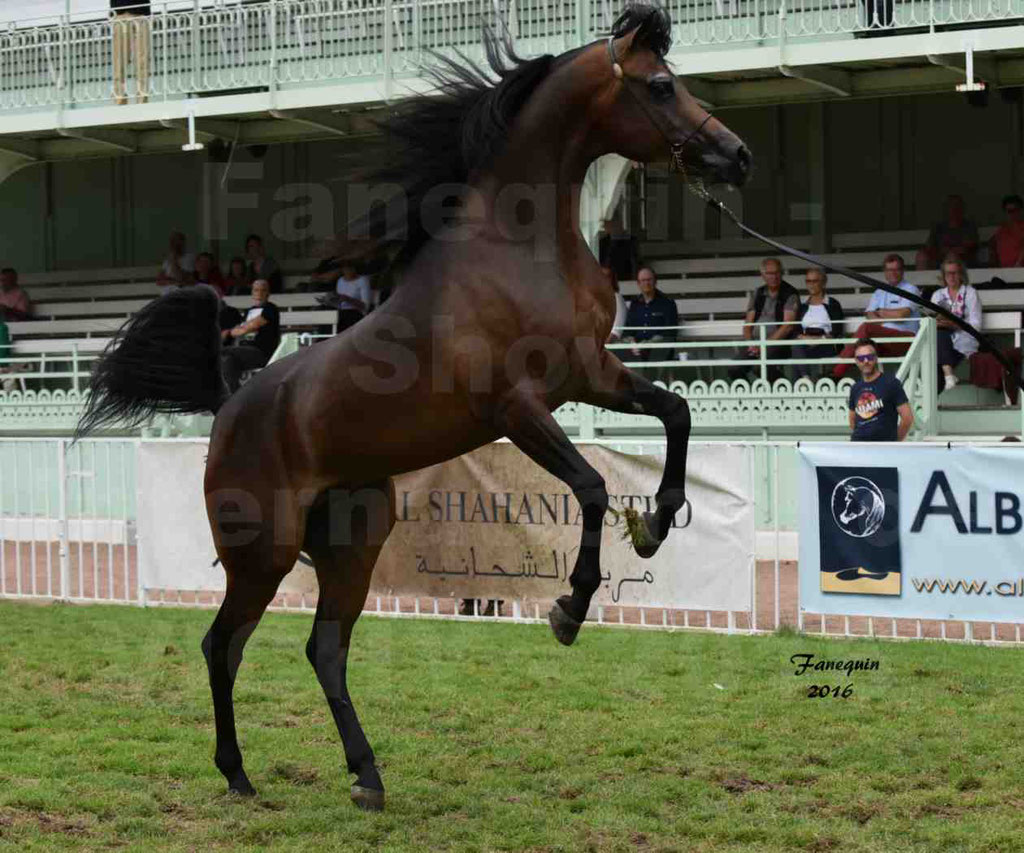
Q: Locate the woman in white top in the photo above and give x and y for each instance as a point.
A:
(956, 295)
(353, 297)
(821, 318)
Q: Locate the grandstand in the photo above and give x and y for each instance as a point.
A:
(265, 97)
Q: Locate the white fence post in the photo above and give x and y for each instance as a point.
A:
(62, 520)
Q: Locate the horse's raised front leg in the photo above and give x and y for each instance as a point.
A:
(613, 386)
(523, 417)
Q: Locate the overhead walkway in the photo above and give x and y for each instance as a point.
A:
(259, 72)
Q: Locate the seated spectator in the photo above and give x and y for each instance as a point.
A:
(14, 302)
(237, 282)
(775, 301)
(256, 338)
(260, 266)
(1006, 248)
(821, 318)
(900, 315)
(179, 266)
(958, 297)
(207, 273)
(324, 277)
(955, 235)
(652, 318)
(615, 335)
(353, 295)
(227, 318)
(617, 249)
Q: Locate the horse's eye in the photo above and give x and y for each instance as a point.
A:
(662, 90)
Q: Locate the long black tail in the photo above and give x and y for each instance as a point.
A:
(166, 358)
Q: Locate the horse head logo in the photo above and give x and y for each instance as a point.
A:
(858, 507)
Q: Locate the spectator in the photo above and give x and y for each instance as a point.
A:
(14, 302)
(131, 40)
(821, 316)
(179, 266)
(955, 234)
(237, 282)
(6, 351)
(324, 276)
(615, 335)
(957, 296)
(354, 297)
(775, 301)
(1006, 248)
(207, 273)
(617, 249)
(877, 399)
(901, 316)
(649, 311)
(260, 266)
(256, 338)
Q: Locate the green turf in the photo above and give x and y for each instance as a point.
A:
(493, 737)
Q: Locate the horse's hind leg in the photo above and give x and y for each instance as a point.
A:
(623, 390)
(344, 545)
(525, 419)
(222, 647)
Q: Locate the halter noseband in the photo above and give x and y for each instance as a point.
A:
(676, 161)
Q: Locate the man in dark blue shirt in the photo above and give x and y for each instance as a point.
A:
(877, 400)
(649, 311)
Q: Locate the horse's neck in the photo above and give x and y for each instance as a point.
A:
(546, 167)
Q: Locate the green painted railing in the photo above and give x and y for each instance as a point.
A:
(229, 46)
(815, 405)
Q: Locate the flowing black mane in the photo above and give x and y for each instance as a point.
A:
(447, 138)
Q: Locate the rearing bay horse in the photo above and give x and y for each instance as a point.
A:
(493, 325)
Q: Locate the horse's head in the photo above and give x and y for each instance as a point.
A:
(650, 116)
(853, 507)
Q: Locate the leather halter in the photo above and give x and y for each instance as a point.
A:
(676, 160)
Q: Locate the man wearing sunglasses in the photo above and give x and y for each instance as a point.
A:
(877, 400)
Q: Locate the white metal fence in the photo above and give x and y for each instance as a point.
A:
(68, 532)
(231, 46)
(67, 520)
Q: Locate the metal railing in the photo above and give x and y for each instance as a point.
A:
(228, 46)
(770, 391)
(67, 520)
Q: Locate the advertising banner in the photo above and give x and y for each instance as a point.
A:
(912, 531)
(494, 524)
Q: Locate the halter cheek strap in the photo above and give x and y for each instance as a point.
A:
(676, 161)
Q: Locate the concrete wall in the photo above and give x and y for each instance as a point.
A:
(864, 165)
(888, 164)
(88, 214)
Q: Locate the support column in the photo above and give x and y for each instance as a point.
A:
(602, 189)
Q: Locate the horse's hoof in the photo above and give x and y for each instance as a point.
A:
(563, 625)
(242, 788)
(645, 543)
(368, 799)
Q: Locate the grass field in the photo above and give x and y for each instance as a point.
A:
(492, 737)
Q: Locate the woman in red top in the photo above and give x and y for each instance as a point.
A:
(1006, 248)
(237, 282)
(207, 273)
